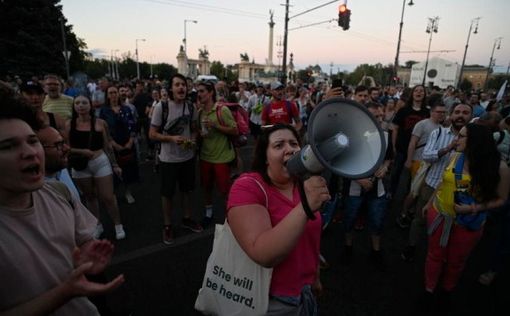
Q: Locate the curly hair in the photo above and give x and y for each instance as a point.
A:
(259, 163)
(484, 160)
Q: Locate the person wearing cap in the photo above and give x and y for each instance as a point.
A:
(55, 101)
(280, 111)
(34, 93)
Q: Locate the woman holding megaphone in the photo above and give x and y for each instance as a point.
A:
(267, 218)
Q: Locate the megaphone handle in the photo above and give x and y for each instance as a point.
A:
(304, 201)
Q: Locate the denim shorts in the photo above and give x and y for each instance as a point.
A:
(376, 212)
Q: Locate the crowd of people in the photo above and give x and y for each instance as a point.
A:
(445, 171)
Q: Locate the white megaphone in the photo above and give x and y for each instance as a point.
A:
(344, 137)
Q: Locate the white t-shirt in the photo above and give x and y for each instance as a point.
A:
(170, 151)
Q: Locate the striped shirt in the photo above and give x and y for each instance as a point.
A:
(63, 106)
(430, 154)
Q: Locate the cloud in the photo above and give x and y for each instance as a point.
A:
(97, 52)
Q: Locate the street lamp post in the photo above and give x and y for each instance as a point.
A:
(136, 53)
(473, 21)
(184, 40)
(411, 3)
(431, 29)
(497, 44)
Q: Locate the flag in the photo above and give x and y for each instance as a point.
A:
(501, 91)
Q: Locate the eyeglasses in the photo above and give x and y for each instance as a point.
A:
(58, 145)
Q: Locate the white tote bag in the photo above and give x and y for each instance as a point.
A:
(233, 283)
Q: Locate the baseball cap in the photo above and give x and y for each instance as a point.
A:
(275, 85)
(31, 86)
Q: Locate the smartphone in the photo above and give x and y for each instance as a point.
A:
(337, 83)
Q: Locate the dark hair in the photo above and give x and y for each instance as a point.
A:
(259, 163)
(435, 100)
(410, 100)
(170, 94)
(373, 105)
(13, 106)
(107, 99)
(455, 105)
(360, 88)
(209, 86)
(74, 118)
(484, 159)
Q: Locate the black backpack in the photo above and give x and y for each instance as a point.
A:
(175, 123)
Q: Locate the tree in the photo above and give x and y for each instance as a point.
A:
(410, 63)
(31, 39)
(222, 72)
(381, 74)
(466, 85)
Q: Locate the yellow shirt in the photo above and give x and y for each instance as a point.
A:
(444, 200)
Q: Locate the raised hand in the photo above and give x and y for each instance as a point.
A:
(96, 252)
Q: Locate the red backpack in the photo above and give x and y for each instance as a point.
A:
(242, 121)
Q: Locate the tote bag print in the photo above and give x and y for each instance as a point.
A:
(233, 283)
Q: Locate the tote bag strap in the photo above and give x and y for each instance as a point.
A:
(263, 190)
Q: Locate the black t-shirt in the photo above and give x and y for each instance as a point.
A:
(141, 102)
(406, 118)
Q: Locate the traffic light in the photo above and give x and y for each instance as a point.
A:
(344, 17)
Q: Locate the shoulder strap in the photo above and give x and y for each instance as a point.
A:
(263, 190)
(219, 107)
(62, 190)
(459, 165)
(288, 105)
(53, 122)
(165, 108)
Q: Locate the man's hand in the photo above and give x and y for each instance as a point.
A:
(96, 252)
(178, 139)
(334, 92)
(78, 285)
(381, 172)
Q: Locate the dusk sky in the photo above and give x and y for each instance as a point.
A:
(228, 28)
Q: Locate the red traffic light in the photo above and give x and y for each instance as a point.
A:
(342, 8)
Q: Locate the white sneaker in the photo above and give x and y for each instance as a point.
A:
(98, 231)
(119, 232)
(129, 198)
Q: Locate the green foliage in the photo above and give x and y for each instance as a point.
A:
(31, 41)
(222, 72)
(466, 85)
(381, 74)
(410, 63)
(496, 81)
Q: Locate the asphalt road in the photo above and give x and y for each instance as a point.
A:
(164, 280)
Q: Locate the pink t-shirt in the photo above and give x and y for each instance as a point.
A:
(300, 266)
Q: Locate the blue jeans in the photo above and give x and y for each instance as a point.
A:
(376, 212)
